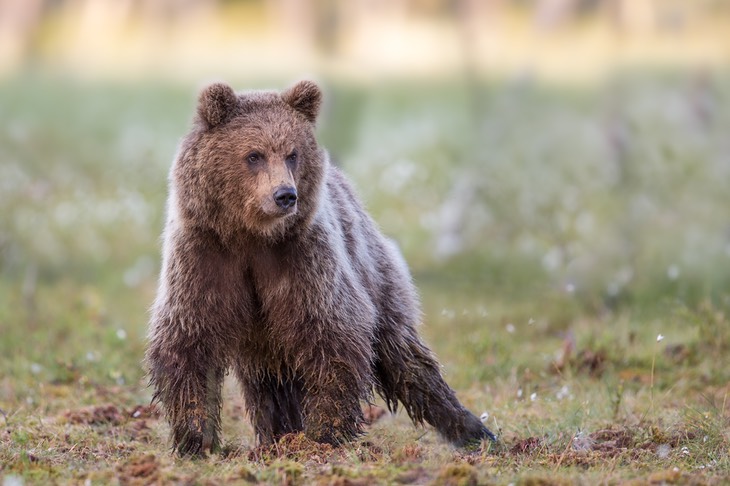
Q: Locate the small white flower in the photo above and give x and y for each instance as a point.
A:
(531, 321)
(519, 393)
(510, 328)
(117, 377)
(663, 451)
(13, 480)
(484, 416)
(121, 334)
(673, 272)
(570, 288)
(533, 397)
(613, 288)
(448, 313)
(660, 338)
(684, 451)
(35, 368)
(582, 442)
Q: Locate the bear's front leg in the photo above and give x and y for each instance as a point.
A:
(202, 304)
(332, 411)
(335, 369)
(187, 382)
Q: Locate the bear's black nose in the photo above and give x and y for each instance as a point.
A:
(285, 197)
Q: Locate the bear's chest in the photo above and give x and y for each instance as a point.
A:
(291, 274)
(299, 284)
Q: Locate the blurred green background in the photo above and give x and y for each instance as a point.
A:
(555, 171)
(552, 159)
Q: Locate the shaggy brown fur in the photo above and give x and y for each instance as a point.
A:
(272, 267)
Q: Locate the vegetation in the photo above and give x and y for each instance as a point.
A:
(570, 246)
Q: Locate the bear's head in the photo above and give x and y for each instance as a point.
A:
(251, 164)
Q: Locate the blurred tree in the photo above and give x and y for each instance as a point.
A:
(632, 15)
(19, 21)
(169, 10)
(551, 14)
(317, 23)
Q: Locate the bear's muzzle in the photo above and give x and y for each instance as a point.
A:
(285, 197)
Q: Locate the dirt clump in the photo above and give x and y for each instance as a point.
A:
(611, 439)
(96, 415)
(526, 446)
(141, 470)
(293, 446)
(145, 412)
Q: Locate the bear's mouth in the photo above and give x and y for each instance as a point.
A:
(273, 212)
(290, 211)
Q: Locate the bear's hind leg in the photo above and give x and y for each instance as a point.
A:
(407, 372)
(273, 404)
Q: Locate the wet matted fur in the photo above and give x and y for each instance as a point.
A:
(272, 268)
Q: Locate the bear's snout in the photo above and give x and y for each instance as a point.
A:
(285, 197)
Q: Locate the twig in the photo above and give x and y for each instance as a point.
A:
(651, 384)
(562, 456)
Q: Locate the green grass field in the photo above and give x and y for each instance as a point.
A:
(571, 246)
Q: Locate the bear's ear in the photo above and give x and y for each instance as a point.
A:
(216, 103)
(305, 97)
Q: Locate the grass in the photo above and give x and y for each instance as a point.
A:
(554, 234)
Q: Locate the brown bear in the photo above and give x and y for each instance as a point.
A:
(272, 267)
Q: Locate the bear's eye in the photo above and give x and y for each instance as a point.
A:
(292, 158)
(254, 158)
